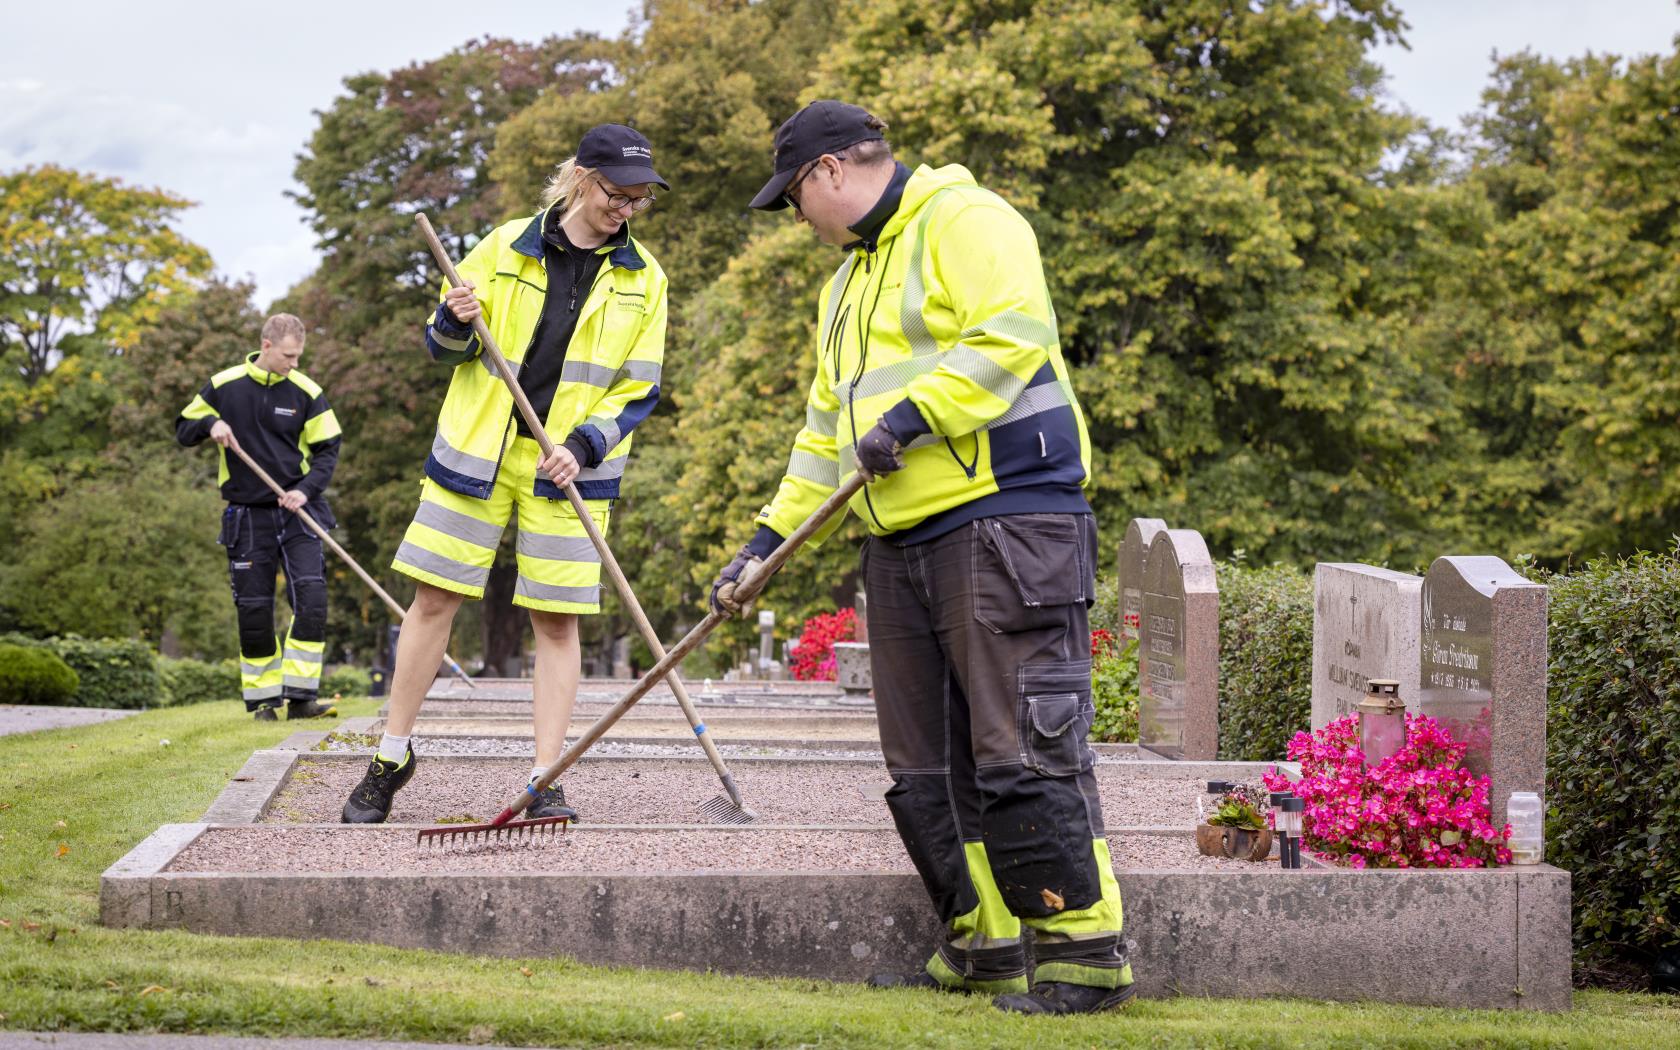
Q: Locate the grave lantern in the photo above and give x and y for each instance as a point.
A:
(1289, 826)
(1382, 720)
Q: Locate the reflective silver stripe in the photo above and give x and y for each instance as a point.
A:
(910, 320)
(845, 461)
(557, 548)
(460, 462)
(818, 421)
(449, 343)
(304, 656)
(815, 468)
(484, 359)
(261, 692)
(886, 379)
(257, 670)
(609, 431)
(454, 524)
(995, 379)
(590, 374)
(612, 468)
(303, 681)
(644, 371)
(1016, 326)
(837, 289)
(548, 592)
(1031, 402)
(438, 565)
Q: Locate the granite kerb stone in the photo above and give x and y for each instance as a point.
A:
(1444, 938)
(252, 788)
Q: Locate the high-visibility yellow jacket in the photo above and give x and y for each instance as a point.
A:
(942, 325)
(610, 381)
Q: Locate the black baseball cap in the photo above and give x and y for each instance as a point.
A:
(825, 126)
(622, 154)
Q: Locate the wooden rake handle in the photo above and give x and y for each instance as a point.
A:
(609, 563)
(750, 586)
(315, 527)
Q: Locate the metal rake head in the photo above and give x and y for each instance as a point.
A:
(512, 831)
(720, 810)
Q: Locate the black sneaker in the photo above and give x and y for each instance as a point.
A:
(370, 802)
(265, 714)
(919, 979)
(551, 802)
(1056, 997)
(309, 709)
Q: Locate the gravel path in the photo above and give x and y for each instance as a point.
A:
(392, 851)
(722, 729)
(27, 718)
(670, 791)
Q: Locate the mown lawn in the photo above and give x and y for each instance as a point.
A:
(110, 785)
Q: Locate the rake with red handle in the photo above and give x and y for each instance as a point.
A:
(751, 584)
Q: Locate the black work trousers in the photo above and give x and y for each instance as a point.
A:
(261, 542)
(980, 647)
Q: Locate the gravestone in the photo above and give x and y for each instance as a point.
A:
(1178, 649)
(1365, 625)
(1483, 669)
(1139, 534)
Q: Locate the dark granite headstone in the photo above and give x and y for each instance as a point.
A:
(1178, 649)
(1483, 668)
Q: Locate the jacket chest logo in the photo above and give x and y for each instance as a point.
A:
(286, 412)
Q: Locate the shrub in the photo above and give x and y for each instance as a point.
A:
(197, 682)
(32, 675)
(1613, 786)
(113, 672)
(1418, 808)
(347, 680)
(813, 655)
(1265, 660)
(1114, 688)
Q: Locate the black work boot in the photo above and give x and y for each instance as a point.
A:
(370, 802)
(919, 979)
(1055, 997)
(309, 709)
(551, 802)
(265, 713)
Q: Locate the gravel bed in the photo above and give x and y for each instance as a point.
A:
(393, 851)
(660, 790)
(456, 747)
(647, 709)
(721, 728)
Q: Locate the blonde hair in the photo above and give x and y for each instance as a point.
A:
(281, 327)
(564, 185)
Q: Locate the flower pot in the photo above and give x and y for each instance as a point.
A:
(1237, 843)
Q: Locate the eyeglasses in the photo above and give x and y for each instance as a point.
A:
(616, 201)
(788, 196)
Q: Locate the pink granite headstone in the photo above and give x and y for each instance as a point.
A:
(1133, 551)
(1178, 649)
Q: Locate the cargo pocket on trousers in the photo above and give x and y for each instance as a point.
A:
(1056, 715)
(1027, 569)
(233, 530)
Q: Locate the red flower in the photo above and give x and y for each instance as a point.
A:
(813, 654)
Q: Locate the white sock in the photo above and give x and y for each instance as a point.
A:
(536, 771)
(393, 748)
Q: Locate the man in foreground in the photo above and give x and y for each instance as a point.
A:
(939, 376)
(279, 417)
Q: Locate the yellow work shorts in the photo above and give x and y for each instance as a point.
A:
(452, 541)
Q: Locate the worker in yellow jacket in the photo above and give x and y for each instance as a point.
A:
(938, 374)
(578, 307)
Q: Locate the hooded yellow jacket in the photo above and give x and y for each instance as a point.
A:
(942, 325)
(609, 383)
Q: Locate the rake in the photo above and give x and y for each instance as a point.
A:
(303, 516)
(751, 584)
(727, 810)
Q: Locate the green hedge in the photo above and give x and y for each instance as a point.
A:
(346, 681)
(32, 675)
(113, 672)
(1265, 660)
(198, 682)
(1613, 726)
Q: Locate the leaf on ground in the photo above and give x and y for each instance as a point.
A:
(5, 805)
(63, 849)
(150, 988)
(60, 824)
(114, 986)
(31, 926)
(5, 924)
(1052, 900)
(678, 1016)
(526, 970)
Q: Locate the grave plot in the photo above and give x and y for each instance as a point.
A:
(609, 690)
(670, 791)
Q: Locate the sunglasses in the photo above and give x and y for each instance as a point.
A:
(788, 195)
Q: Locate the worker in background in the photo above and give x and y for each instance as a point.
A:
(939, 376)
(279, 417)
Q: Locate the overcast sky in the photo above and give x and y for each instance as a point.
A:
(213, 101)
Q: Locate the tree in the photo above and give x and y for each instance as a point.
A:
(88, 263)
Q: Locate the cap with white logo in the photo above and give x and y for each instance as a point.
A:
(622, 154)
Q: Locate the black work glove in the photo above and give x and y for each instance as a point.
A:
(879, 452)
(723, 588)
